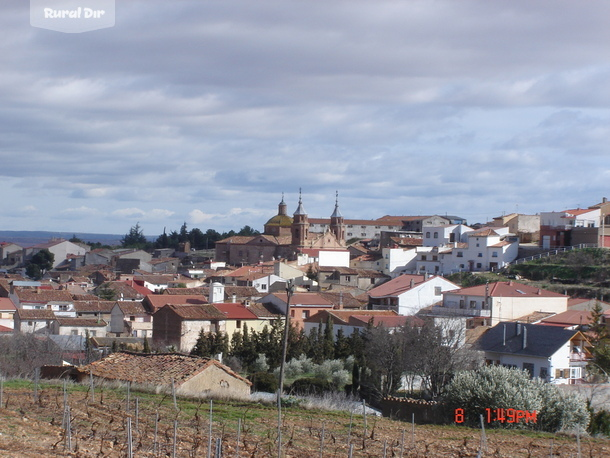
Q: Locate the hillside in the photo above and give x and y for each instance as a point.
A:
(31, 424)
(582, 273)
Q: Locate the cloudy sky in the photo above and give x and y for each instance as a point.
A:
(205, 111)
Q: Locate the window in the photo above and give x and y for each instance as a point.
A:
(479, 265)
(238, 324)
(263, 286)
(349, 233)
(292, 314)
(544, 372)
(480, 255)
(363, 234)
(452, 237)
(462, 304)
(132, 318)
(348, 278)
(473, 304)
(305, 314)
(435, 258)
(437, 291)
(92, 333)
(74, 332)
(427, 235)
(529, 367)
(423, 257)
(494, 254)
(362, 227)
(349, 225)
(436, 235)
(460, 254)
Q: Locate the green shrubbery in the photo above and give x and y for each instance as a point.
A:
(497, 387)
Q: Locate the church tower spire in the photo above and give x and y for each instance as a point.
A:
(337, 227)
(300, 225)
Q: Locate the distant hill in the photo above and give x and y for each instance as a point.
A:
(29, 238)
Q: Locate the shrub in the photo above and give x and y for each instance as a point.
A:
(500, 387)
(260, 365)
(311, 386)
(340, 378)
(264, 381)
(600, 423)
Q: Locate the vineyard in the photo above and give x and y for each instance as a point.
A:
(65, 419)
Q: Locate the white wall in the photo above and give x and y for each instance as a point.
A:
(333, 259)
(397, 260)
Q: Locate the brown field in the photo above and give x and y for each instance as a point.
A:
(31, 426)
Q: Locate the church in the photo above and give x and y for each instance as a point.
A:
(284, 237)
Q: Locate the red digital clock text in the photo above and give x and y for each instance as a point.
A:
(502, 415)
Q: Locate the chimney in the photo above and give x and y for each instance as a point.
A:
(216, 293)
(412, 283)
(524, 337)
(234, 298)
(604, 200)
(340, 300)
(518, 328)
(539, 292)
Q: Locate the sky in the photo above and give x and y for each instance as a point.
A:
(206, 111)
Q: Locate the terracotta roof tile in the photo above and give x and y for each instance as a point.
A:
(156, 368)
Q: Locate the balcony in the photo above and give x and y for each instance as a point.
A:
(452, 311)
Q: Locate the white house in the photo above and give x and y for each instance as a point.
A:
(61, 249)
(500, 301)
(551, 353)
(456, 248)
(408, 294)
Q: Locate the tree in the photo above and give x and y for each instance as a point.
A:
(498, 387)
(248, 231)
(134, 238)
(39, 264)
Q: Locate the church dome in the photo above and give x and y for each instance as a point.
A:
(280, 221)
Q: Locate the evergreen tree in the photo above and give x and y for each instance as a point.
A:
(328, 345)
(134, 238)
(146, 348)
(342, 346)
(39, 264)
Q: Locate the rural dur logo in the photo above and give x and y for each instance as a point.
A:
(72, 16)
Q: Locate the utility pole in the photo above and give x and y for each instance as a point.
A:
(289, 293)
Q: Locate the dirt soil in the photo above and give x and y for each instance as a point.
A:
(33, 426)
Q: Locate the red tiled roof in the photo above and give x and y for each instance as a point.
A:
(304, 299)
(43, 295)
(264, 310)
(236, 311)
(131, 308)
(7, 305)
(396, 286)
(5, 329)
(197, 312)
(507, 289)
(569, 318)
(33, 315)
(156, 301)
(154, 368)
(94, 306)
(483, 232)
(343, 317)
(81, 322)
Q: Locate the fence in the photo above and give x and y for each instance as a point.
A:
(553, 253)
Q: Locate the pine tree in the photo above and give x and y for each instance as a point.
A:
(328, 347)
